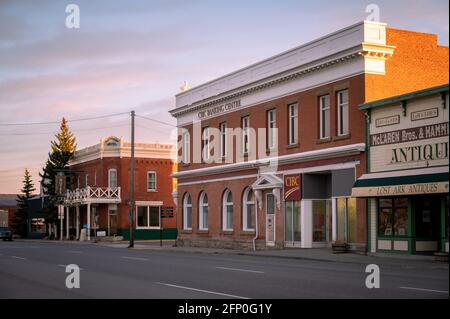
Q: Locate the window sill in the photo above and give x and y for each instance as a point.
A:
(186, 231)
(247, 233)
(203, 231)
(342, 137)
(152, 191)
(323, 140)
(227, 232)
(291, 146)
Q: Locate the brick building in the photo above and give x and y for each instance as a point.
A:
(290, 184)
(101, 185)
(8, 207)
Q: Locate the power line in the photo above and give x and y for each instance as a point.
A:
(58, 122)
(156, 121)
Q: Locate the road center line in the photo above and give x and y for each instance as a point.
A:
(134, 258)
(75, 251)
(423, 289)
(201, 290)
(16, 257)
(237, 269)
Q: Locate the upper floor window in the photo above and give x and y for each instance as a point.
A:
(112, 178)
(185, 147)
(227, 210)
(86, 180)
(203, 213)
(342, 102)
(293, 123)
(223, 140)
(78, 181)
(245, 135)
(95, 178)
(324, 116)
(271, 134)
(206, 144)
(151, 181)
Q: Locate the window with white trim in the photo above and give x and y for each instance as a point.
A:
(206, 144)
(227, 209)
(187, 212)
(223, 139)
(293, 123)
(86, 180)
(271, 123)
(342, 102)
(112, 178)
(186, 146)
(148, 216)
(249, 207)
(151, 181)
(245, 134)
(324, 116)
(203, 212)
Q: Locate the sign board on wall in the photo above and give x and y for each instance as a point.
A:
(415, 137)
(292, 188)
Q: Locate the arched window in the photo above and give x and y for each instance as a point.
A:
(187, 212)
(203, 213)
(227, 211)
(249, 207)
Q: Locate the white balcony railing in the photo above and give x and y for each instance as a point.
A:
(93, 195)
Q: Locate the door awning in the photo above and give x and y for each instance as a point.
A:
(433, 180)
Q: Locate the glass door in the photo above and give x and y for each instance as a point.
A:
(292, 235)
(270, 219)
(346, 220)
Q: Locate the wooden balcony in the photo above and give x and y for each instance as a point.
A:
(93, 195)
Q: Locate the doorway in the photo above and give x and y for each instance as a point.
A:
(112, 220)
(292, 229)
(270, 220)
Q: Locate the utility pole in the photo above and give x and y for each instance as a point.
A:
(132, 183)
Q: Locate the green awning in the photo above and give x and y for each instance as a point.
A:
(402, 183)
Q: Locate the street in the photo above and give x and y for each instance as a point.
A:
(37, 270)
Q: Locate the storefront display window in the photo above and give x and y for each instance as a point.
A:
(393, 217)
(292, 222)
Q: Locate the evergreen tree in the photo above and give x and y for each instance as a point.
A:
(62, 150)
(19, 222)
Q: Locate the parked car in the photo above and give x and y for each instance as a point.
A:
(6, 233)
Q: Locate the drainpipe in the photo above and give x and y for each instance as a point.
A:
(256, 223)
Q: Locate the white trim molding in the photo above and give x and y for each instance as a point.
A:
(339, 151)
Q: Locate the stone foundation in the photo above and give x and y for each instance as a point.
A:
(225, 244)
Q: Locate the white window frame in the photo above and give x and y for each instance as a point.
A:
(245, 122)
(148, 180)
(223, 139)
(324, 108)
(245, 208)
(148, 217)
(293, 123)
(202, 205)
(206, 144)
(271, 125)
(343, 113)
(225, 205)
(109, 177)
(86, 180)
(186, 147)
(185, 211)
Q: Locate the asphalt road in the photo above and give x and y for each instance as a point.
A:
(37, 270)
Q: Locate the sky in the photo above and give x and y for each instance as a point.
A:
(134, 55)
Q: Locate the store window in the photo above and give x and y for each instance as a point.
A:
(321, 220)
(393, 217)
(346, 219)
(148, 216)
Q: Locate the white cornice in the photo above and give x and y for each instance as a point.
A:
(345, 150)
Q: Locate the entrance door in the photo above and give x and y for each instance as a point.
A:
(292, 229)
(346, 220)
(112, 220)
(270, 219)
